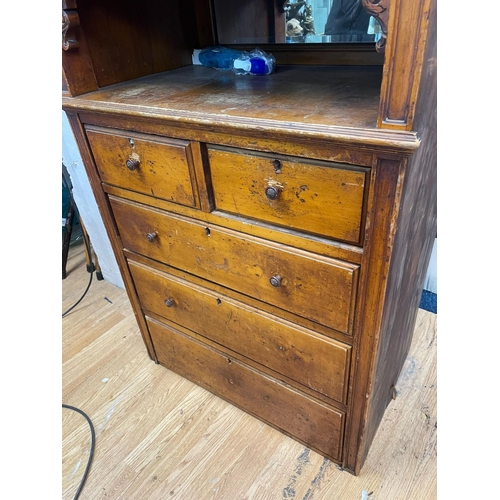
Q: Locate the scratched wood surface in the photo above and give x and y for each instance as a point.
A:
(159, 436)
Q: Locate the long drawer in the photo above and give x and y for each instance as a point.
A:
(151, 165)
(300, 354)
(316, 424)
(317, 197)
(320, 289)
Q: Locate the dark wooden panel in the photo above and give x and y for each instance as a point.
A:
(128, 40)
(307, 420)
(242, 22)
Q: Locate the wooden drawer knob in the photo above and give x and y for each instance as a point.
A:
(275, 281)
(272, 192)
(169, 302)
(132, 163)
(152, 236)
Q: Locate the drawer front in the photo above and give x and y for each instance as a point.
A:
(321, 198)
(304, 356)
(149, 165)
(311, 422)
(314, 287)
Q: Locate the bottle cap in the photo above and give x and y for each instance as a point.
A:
(259, 66)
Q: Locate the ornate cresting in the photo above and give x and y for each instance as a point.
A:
(379, 9)
(70, 22)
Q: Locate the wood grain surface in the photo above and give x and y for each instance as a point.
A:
(268, 340)
(243, 263)
(160, 436)
(319, 198)
(160, 167)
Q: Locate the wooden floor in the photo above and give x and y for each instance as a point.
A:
(158, 436)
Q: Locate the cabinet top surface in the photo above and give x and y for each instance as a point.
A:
(302, 99)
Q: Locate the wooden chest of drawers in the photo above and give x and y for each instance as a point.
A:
(273, 233)
(264, 324)
(248, 268)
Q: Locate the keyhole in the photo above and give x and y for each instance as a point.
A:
(207, 231)
(132, 143)
(219, 302)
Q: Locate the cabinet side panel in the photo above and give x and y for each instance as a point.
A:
(384, 202)
(416, 230)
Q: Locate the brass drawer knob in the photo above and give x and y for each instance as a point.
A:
(272, 192)
(169, 302)
(132, 163)
(275, 281)
(152, 236)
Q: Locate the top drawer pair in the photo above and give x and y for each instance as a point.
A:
(317, 197)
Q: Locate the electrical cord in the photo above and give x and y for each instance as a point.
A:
(92, 448)
(89, 253)
(86, 290)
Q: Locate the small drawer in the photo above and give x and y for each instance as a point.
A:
(312, 286)
(300, 354)
(316, 197)
(319, 426)
(150, 165)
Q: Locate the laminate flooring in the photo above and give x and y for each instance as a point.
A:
(158, 436)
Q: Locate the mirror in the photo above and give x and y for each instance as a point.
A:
(294, 21)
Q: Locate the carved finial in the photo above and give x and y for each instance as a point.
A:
(379, 9)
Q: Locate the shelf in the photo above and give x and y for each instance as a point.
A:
(324, 101)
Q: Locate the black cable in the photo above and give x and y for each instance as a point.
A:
(87, 246)
(90, 280)
(92, 447)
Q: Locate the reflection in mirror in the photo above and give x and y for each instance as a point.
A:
(294, 21)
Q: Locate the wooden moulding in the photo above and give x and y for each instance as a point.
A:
(201, 127)
(406, 43)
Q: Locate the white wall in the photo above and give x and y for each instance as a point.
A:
(87, 206)
(431, 278)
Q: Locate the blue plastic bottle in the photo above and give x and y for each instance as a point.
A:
(241, 62)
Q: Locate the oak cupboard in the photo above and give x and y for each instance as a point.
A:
(274, 232)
